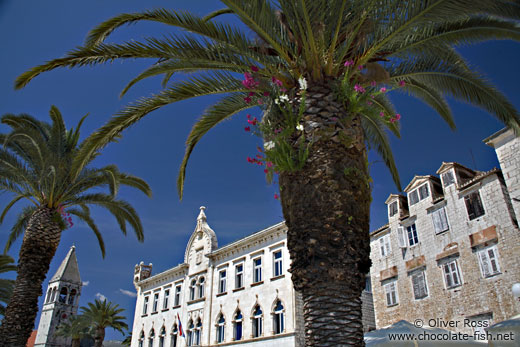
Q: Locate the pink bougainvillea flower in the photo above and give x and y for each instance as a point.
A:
(247, 129)
(250, 160)
(277, 131)
(259, 156)
(266, 171)
(248, 116)
(269, 164)
(382, 114)
(402, 83)
(373, 96)
(334, 118)
(373, 83)
(277, 81)
(392, 120)
(260, 101)
(383, 90)
(369, 103)
(361, 67)
(349, 63)
(358, 88)
(254, 68)
(397, 116)
(247, 99)
(266, 93)
(251, 94)
(276, 196)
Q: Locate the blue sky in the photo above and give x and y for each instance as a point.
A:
(237, 197)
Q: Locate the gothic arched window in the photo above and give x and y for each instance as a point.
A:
(278, 318)
(49, 294)
(192, 289)
(161, 336)
(191, 327)
(63, 295)
(141, 339)
(198, 332)
(72, 296)
(257, 321)
(174, 334)
(150, 338)
(201, 287)
(237, 326)
(221, 325)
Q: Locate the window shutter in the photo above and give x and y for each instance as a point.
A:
(443, 219)
(469, 207)
(401, 237)
(448, 276)
(415, 282)
(382, 245)
(484, 264)
(436, 222)
(387, 244)
(493, 261)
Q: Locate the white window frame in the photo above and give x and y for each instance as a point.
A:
(445, 181)
(451, 272)
(145, 304)
(155, 306)
(442, 224)
(201, 283)
(489, 265)
(177, 300)
(391, 288)
(419, 275)
(193, 289)
(402, 238)
(417, 191)
(166, 298)
(257, 322)
(279, 320)
(277, 263)
(413, 240)
(396, 204)
(221, 329)
(239, 276)
(257, 270)
(385, 247)
(222, 274)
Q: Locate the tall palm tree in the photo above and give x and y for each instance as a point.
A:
(76, 328)
(102, 315)
(320, 70)
(6, 286)
(45, 164)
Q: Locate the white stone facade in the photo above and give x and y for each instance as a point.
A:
(256, 276)
(450, 250)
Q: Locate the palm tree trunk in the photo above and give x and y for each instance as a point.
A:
(326, 206)
(100, 337)
(40, 242)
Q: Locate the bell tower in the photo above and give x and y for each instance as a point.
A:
(61, 302)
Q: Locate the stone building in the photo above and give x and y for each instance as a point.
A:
(239, 294)
(450, 251)
(60, 303)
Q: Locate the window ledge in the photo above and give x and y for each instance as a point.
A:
(164, 309)
(454, 287)
(393, 305)
(257, 283)
(154, 313)
(277, 277)
(221, 294)
(493, 275)
(176, 306)
(196, 300)
(144, 315)
(238, 289)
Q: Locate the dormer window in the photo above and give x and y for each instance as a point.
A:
(418, 194)
(392, 209)
(447, 178)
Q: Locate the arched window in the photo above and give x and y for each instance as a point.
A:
(191, 327)
(150, 339)
(63, 295)
(54, 291)
(49, 294)
(161, 336)
(72, 296)
(237, 326)
(174, 334)
(192, 289)
(141, 339)
(221, 325)
(278, 318)
(198, 333)
(201, 287)
(257, 321)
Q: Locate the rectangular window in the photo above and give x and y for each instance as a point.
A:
(384, 245)
(488, 259)
(145, 305)
(391, 294)
(239, 276)
(440, 221)
(424, 192)
(257, 270)
(413, 197)
(474, 205)
(420, 290)
(155, 301)
(451, 274)
(368, 285)
(177, 300)
(277, 263)
(401, 237)
(392, 209)
(447, 178)
(412, 235)
(165, 299)
(222, 281)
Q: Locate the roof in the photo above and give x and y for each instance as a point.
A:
(498, 137)
(31, 339)
(479, 177)
(418, 178)
(450, 164)
(68, 270)
(378, 230)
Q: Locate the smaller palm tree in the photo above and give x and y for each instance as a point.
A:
(6, 286)
(102, 315)
(77, 328)
(128, 340)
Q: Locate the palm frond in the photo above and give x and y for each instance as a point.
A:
(84, 215)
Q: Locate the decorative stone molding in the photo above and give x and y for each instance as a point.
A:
(415, 263)
(483, 236)
(388, 273)
(451, 249)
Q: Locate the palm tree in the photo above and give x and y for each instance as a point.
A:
(320, 70)
(44, 163)
(128, 340)
(102, 315)
(76, 328)
(6, 286)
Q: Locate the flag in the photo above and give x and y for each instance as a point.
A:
(181, 331)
